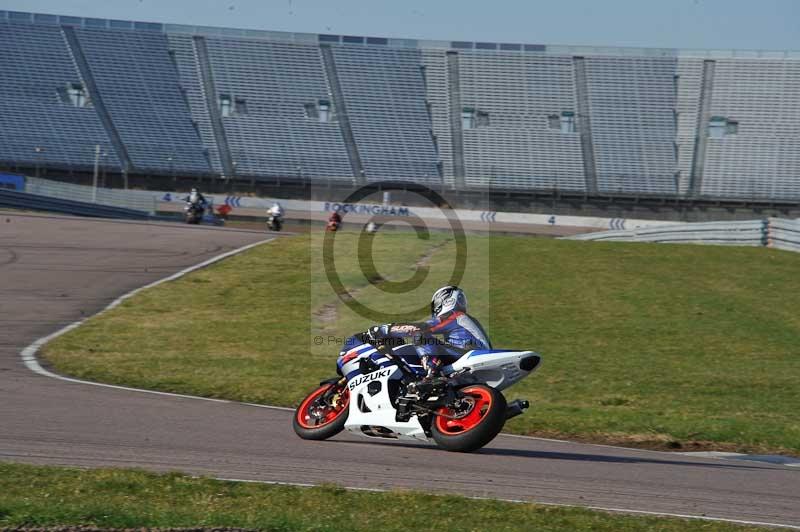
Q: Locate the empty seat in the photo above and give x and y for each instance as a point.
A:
(276, 137)
(37, 126)
(138, 83)
(384, 92)
(517, 146)
(632, 102)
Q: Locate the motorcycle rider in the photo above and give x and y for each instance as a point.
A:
(461, 333)
(334, 221)
(195, 198)
(276, 210)
(275, 217)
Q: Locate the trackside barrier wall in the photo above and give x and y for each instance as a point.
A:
(747, 233)
(24, 200)
(772, 232)
(149, 200)
(784, 234)
(424, 213)
(103, 196)
(429, 213)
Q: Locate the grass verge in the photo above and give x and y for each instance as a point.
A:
(34, 496)
(661, 346)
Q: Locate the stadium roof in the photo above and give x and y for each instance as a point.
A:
(355, 40)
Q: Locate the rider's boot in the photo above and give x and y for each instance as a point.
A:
(420, 389)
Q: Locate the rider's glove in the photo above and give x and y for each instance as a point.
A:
(379, 332)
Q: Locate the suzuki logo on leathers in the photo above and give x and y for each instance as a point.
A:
(375, 375)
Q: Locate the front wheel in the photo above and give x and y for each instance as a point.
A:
(476, 418)
(323, 413)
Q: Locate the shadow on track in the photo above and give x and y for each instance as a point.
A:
(554, 455)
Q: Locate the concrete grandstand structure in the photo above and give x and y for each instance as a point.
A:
(173, 100)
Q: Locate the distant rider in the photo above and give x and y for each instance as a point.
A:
(276, 210)
(334, 221)
(196, 199)
(460, 331)
(223, 211)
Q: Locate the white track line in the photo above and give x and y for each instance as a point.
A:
(777, 459)
(29, 353)
(520, 501)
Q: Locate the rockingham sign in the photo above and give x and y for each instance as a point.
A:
(361, 208)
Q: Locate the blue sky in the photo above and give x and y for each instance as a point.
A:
(743, 24)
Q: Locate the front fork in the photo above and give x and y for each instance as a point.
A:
(338, 383)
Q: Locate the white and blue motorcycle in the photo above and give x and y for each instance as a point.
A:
(462, 410)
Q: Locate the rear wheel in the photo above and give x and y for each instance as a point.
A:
(475, 420)
(323, 413)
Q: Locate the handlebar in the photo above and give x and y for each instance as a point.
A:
(388, 353)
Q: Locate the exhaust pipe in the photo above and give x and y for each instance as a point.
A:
(516, 407)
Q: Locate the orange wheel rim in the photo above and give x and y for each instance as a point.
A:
(312, 415)
(480, 402)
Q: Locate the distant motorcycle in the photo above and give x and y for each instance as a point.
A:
(223, 211)
(274, 223)
(193, 213)
(334, 222)
(462, 410)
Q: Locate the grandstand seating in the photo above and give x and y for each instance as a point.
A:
(139, 86)
(176, 100)
(37, 128)
(762, 159)
(190, 80)
(690, 78)
(275, 137)
(435, 64)
(385, 96)
(518, 149)
(633, 103)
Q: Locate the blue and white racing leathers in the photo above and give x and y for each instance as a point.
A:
(460, 333)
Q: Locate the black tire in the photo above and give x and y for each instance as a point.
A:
(310, 428)
(478, 427)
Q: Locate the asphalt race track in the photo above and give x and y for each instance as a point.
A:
(56, 270)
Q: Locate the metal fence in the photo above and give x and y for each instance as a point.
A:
(771, 232)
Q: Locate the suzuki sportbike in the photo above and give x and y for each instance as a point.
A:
(380, 395)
